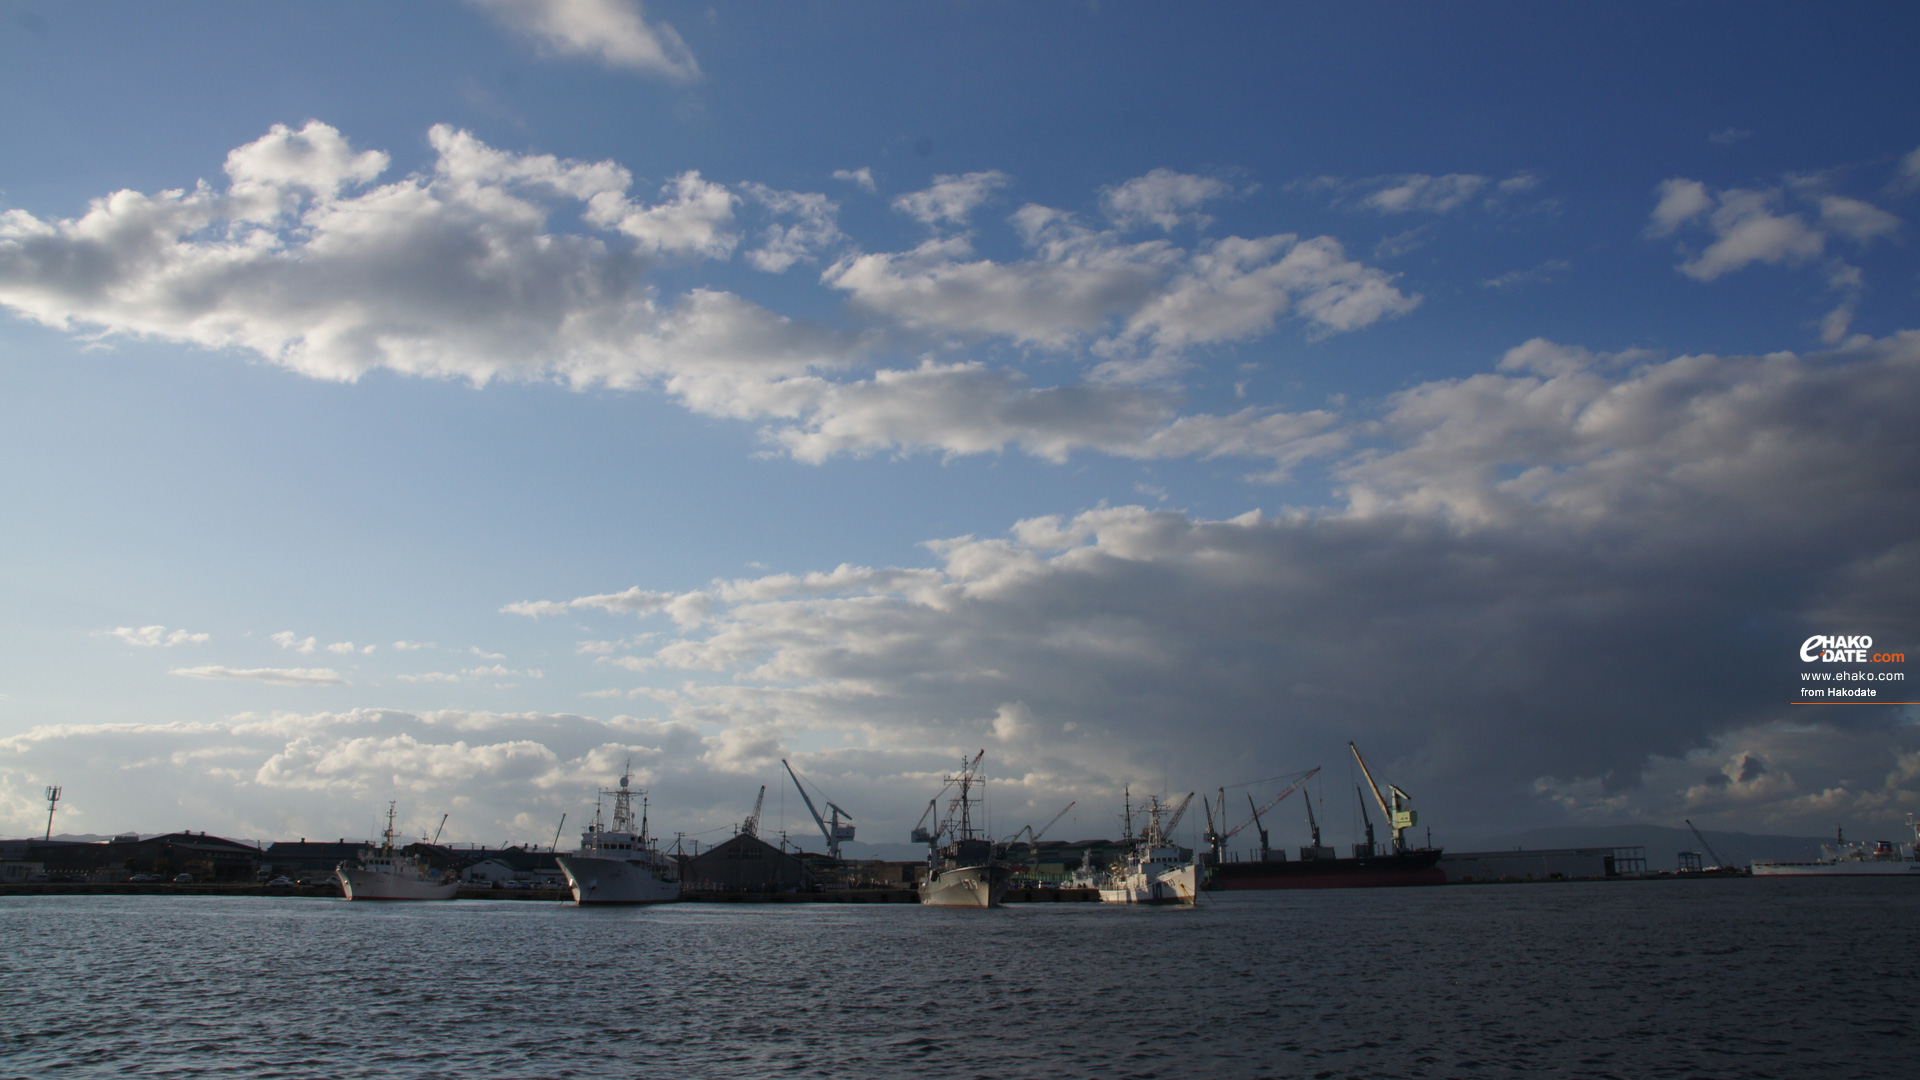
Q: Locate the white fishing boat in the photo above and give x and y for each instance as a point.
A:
(962, 872)
(1881, 858)
(1155, 870)
(618, 863)
(387, 873)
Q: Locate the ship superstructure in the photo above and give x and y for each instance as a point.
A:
(962, 871)
(1155, 870)
(386, 873)
(618, 862)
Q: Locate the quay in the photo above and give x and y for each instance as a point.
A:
(332, 891)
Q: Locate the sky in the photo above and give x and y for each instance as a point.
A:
(459, 403)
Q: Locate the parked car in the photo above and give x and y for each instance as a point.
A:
(281, 880)
(146, 877)
(183, 879)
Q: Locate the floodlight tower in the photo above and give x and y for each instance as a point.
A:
(53, 799)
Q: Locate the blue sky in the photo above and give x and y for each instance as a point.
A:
(450, 402)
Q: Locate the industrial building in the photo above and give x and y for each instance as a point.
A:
(746, 864)
(1554, 864)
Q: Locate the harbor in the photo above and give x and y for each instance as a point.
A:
(620, 860)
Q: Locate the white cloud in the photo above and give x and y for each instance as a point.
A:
(1681, 201)
(1162, 197)
(1910, 168)
(1754, 226)
(307, 261)
(614, 32)
(811, 231)
(861, 178)
(693, 218)
(287, 639)
(274, 676)
(1422, 192)
(951, 198)
(157, 636)
(1854, 219)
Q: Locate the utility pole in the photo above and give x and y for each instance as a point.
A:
(53, 799)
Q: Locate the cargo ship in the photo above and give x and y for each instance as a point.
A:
(1318, 867)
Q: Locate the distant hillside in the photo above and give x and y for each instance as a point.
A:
(1663, 844)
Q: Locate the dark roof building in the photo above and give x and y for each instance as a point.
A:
(746, 864)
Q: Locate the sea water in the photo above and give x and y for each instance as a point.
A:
(1717, 978)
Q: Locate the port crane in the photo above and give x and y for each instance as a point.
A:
(1400, 816)
(834, 832)
(1217, 840)
(1033, 835)
(1718, 863)
(751, 826)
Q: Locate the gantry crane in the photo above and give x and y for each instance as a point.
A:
(835, 832)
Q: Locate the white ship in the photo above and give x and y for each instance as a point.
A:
(387, 874)
(1882, 858)
(618, 863)
(1154, 871)
(962, 872)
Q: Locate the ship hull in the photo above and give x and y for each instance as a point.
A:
(967, 887)
(1412, 868)
(615, 881)
(1171, 887)
(372, 885)
(1906, 868)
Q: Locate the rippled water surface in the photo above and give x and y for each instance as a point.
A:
(1735, 978)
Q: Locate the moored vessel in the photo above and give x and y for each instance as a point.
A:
(963, 872)
(1318, 867)
(389, 874)
(1155, 870)
(1881, 858)
(617, 862)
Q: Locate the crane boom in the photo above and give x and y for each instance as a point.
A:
(1717, 863)
(1399, 816)
(1054, 820)
(835, 832)
(1178, 813)
(751, 826)
(1271, 803)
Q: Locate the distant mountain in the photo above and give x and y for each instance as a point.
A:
(1662, 844)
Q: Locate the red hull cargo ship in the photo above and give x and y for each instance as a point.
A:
(1316, 868)
(1406, 868)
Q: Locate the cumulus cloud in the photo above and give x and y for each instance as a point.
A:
(1577, 565)
(1080, 282)
(149, 637)
(273, 676)
(861, 178)
(1757, 226)
(951, 198)
(811, 228)
(1162, 197)
(613, 32)
(310, 261)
